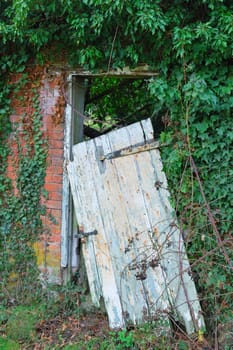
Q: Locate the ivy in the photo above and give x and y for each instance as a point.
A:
(20, 216)
(190, 45)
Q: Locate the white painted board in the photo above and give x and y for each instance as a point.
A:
(137, 260)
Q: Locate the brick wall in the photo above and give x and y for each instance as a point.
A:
(52, 109)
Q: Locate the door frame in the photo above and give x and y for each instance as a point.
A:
(73, 133)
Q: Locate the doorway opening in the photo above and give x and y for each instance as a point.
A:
(125, 223)
(98, 106)
(112, 103)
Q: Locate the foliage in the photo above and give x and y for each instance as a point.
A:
(31, 327)
(66, 300)
(45, 325)
(199, 126)
(125, 340)
(7, 344)
(190, 45)
(117, 102)
(21, 211)
(21, 323)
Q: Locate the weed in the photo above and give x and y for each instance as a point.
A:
(21, 322)
(125, 340)
(182, 345)
(6, 344)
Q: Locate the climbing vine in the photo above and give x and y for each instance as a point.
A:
(189, 44)
(21, 207)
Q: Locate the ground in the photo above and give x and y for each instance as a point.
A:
(71, 330)
(67, 320)
(28, 328)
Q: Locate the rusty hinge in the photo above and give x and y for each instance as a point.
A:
(128, 151)
(82, 234)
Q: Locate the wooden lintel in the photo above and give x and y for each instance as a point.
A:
(140, 72)
(130, 74)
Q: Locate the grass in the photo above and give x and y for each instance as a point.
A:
(60, 324)
(19, 329)
(7, 344)
(21, 323)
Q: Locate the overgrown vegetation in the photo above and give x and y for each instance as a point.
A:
(189, 44)
(116, 102)
(21, 207)
(45, 326)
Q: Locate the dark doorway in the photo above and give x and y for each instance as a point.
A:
(116, 102)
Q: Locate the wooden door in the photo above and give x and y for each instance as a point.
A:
(133, 250)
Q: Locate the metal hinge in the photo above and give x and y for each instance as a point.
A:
(82, 234)
(128, 151)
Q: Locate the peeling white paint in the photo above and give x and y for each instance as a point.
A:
(137, 261)
(65, 183)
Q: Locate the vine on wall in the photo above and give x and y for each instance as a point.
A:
(21, 224)
(190, 45)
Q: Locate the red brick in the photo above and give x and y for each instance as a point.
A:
(11, 168)
(55, 213)
(19, 109)
(15, 118)
(51, 178)
(53, 204)
(56, 144)
(55, 238)
(53, 187)
(55, 135)
(55, 247)
(56, 196)
(50, 101)
(57, 152)
(50, 108)
(57, 161)
(47, 119)
(54, 170)
(12, 176)
(49, 123)
(48, 93)
(55, 229)
(52, 220)
(45, 221)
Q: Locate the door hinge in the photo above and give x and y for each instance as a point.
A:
(82, 234)
(142, 147)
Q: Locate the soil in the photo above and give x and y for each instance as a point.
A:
(70, 330)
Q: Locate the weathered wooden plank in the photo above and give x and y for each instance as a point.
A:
(65, 189)
(173, 258)
(140, 72)
(168, 240)
(138, 256)
(122, 238)
(95, 249)
(88, 249)
(112, 301)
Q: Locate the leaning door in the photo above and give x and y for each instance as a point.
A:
(133, 250)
